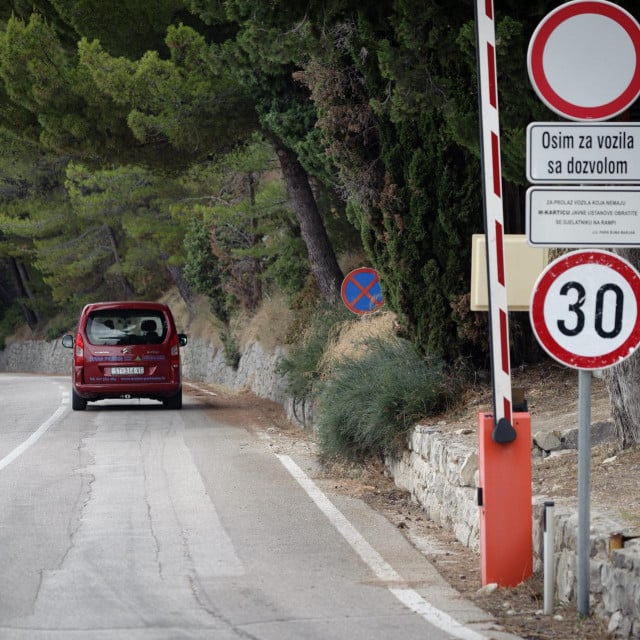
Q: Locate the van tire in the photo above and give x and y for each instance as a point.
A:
(173, 402)
(77, 403)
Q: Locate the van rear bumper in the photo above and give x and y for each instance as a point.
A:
(154, 391)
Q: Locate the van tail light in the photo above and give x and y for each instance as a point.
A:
(78, 352)
(175, 351)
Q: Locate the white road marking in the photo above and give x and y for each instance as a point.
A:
(410, 598)
(35, 436)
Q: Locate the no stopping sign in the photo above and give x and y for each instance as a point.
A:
(585, 309)
(361, 291)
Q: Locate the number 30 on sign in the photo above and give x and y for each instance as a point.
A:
(585, 309)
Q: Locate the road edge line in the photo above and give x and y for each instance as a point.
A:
(410, 598)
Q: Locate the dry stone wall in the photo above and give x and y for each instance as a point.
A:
(441, 474)
(439, 471)
(202, 361)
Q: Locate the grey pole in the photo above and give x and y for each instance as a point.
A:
(549, 558)
(584, 488)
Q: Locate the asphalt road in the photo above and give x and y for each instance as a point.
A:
(130, 521)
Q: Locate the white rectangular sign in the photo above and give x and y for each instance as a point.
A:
(570, 152)
(583, 216)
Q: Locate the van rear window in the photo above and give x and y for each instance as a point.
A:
(130, 326)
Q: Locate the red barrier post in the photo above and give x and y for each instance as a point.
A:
(504, 497)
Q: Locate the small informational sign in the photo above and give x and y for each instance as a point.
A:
(583, 217)
(584, 60)
(361, 291)
(571, 152)
(585, 309)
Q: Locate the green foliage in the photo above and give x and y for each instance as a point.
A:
(190, 100)
(287, 267)
(104, 21)
(412, 190)
(60, 324)
(418, 235)
(378, 101)
(370, 403)
(202, 269)
(245, 239)
(50, 98)
(95, 235)
(518, 102)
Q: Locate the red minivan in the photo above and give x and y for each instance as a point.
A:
(126, 350)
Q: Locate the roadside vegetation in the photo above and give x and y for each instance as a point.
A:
(369, 387)
(241, 150)
(368, 403)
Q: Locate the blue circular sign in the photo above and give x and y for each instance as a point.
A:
(361, 291)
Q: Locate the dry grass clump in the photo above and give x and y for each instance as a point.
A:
(352, 339)
(197, 321)
(269, 325)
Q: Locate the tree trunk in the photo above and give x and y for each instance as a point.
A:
(177, 277)
(623, 382)
(322, 258)
(127, 286)
(21, 283)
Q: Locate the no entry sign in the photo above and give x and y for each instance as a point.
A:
(584, 60)
(361, 291)
(585, 309)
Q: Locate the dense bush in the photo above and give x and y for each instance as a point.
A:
(369, 403)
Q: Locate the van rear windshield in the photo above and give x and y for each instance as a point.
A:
(130, 326)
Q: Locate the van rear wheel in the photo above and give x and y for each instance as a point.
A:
(77, 403)
(173, 402)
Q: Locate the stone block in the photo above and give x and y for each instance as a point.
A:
(547, 440)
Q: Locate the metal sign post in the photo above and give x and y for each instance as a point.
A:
(584, 489)
(585, 313)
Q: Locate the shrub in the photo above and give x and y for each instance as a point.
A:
(369, 403)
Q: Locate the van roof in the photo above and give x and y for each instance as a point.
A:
(159, 306)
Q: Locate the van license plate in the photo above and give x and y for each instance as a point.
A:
(127, 371)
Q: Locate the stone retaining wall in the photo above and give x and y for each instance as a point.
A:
(36, 356)
(441, 474)
(202, 361)
(439, 471)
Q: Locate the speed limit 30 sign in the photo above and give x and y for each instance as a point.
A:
(585, 309)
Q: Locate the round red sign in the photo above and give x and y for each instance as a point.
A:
(585, 309)
(584, 60)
